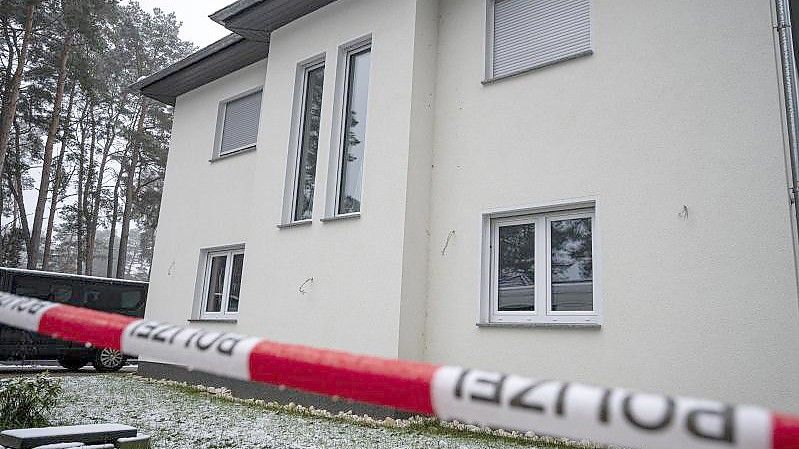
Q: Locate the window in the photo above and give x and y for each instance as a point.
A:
(540, 268)
(526, 34)
(308, 106)
(45, 289)
(237, 126)
(356, 60)
(111, 298)
(222, 284)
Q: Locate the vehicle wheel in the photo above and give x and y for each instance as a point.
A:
(107, 360)
(72, 363)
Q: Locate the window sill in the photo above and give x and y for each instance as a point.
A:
(294, 224)
(542, 324)
(213, 320)
(342, 217)
(232, 154)
(492, 80)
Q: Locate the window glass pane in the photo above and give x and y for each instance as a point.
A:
(216, 284)
(354, 132)
(130, 300)
(60, 293)
(572, 267)
(33, 288)
(91, 297)
(240, 127)
(306, 174)
(102, 297)
(516, 279)
(235, 283)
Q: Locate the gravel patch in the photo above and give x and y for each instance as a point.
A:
(179, 417)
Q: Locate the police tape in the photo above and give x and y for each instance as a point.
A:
(546, 407)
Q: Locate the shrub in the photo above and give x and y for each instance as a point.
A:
(25, 401)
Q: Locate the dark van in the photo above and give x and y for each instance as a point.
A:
(108, 295)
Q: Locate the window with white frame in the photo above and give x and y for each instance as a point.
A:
(237, 123)
(354, 96)
(308, 108)
(540, 268)
(522, 35)
(222, 283)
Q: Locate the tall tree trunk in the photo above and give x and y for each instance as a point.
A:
(91, 232)
(130, 190)
(79, 203)
(88, 253)
(15, 185)
(16, 191)
(109, 269)
(11, 49)
(12, 97)
(48, 235)
(48, 238)
(38, 216)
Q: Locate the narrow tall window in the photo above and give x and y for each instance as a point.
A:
(571, 264)
(516, 268)
(526, 34)
(308, 142)
(237, 129)
(222, 283)
(541, 268)
(353, 134)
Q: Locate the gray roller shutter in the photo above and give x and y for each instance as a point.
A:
(534, 33)
(240, 127)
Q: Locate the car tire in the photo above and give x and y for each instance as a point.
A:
(108, 360)
(72, 363)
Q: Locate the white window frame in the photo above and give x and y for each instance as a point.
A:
(338, 135)
(295, 145)
(220, 125)
(488, 49)
(204, 277)
(541, 217)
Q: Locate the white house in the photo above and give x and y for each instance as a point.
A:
(594, 190)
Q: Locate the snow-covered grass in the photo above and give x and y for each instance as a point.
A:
(179, 416)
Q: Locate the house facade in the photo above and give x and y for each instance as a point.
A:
(593, 190)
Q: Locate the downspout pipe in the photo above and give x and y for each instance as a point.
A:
(789, 79)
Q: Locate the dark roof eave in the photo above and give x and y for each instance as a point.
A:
(213, 62)
(252, 21)
(256, 19)
(231, 10)
(193, 58)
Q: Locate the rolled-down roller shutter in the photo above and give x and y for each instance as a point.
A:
(240, 127)
(534, 33)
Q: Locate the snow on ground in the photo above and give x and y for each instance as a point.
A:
(50, 366)
(184, 418)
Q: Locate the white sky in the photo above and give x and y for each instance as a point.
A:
(197, 27)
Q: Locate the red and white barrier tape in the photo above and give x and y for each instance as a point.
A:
(547, 407)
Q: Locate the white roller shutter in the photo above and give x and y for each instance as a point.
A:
(534, 33)
(240, 127)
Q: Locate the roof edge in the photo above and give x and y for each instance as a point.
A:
(233, 9)
(191, 59)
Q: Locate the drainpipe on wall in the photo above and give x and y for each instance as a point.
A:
(789, 79)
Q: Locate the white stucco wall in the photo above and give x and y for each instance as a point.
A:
(679, 105)
(204, 204)
(356, 264)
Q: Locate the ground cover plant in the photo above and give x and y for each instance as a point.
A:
(27, 401)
